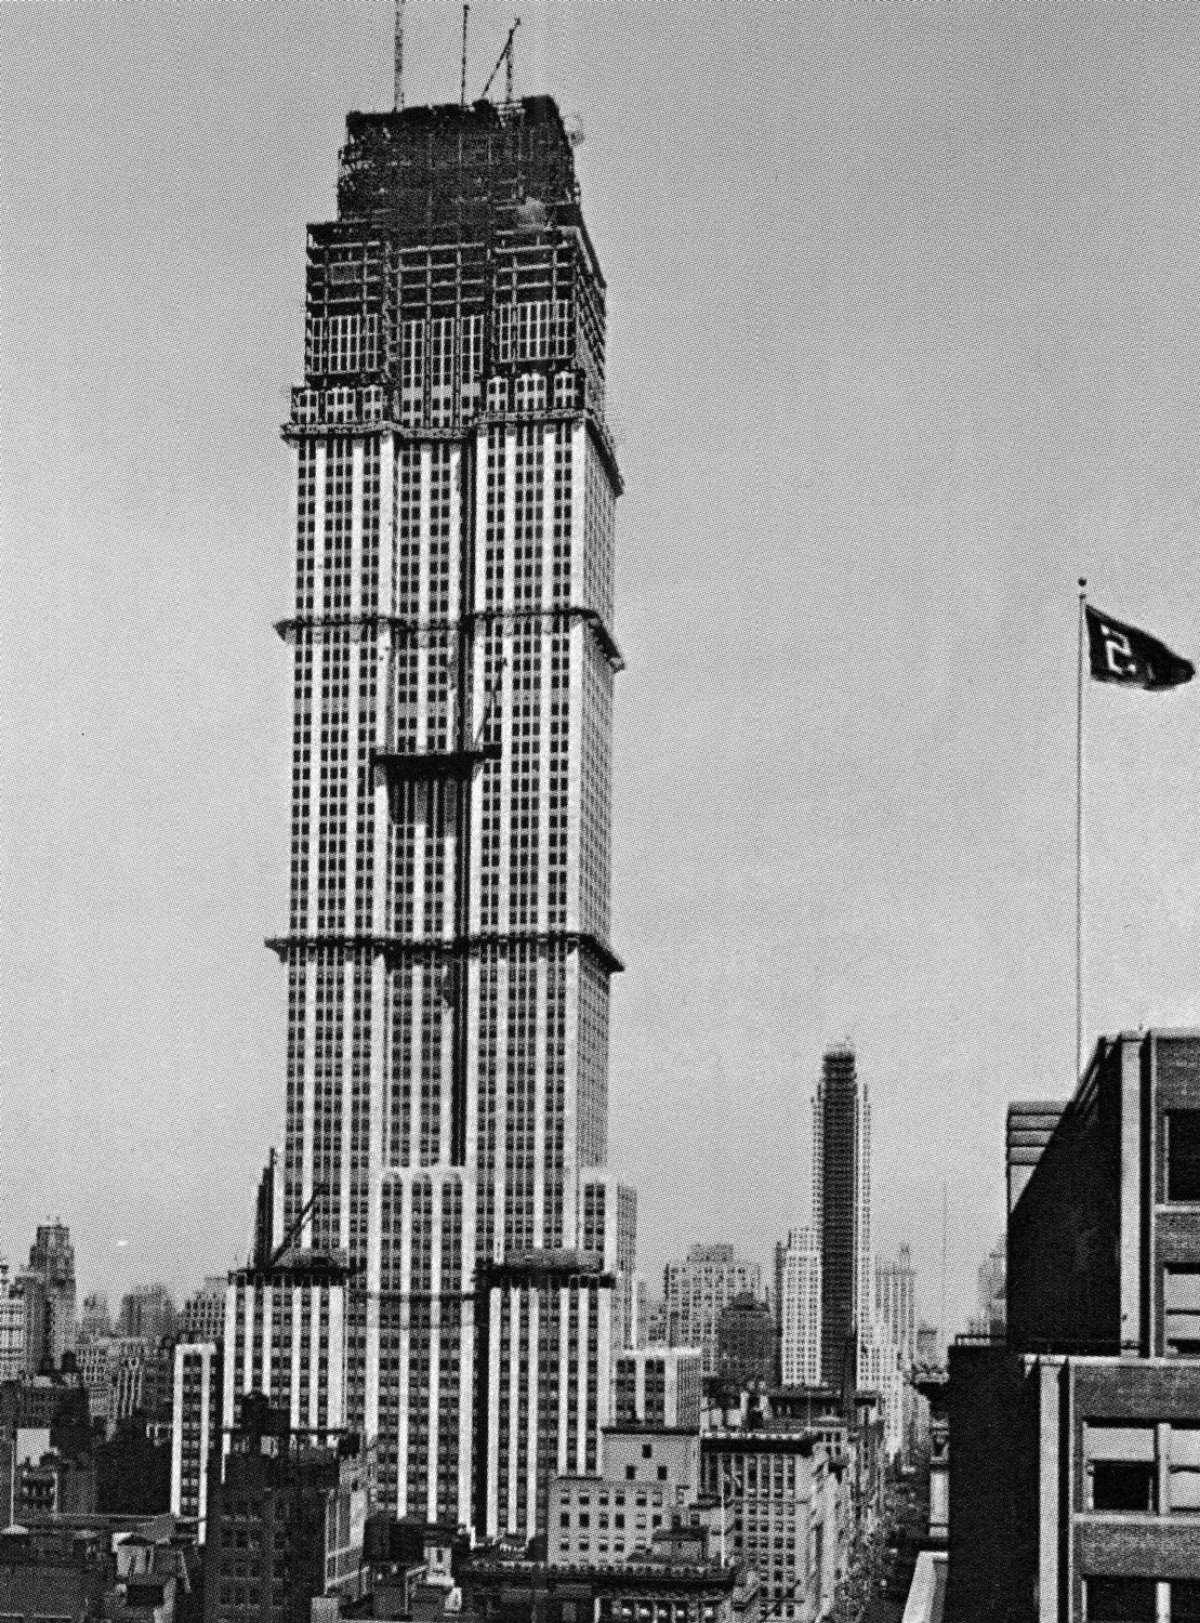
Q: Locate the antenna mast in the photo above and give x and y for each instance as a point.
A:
(398, 61)
(462, 84)
(506, 56)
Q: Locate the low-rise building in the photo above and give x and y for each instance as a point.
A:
(792, 1498)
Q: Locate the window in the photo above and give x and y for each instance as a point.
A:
(1183, 1480)
(1119, 1600)
(1185, 1601)
(1183, 1154)
(1120, 1466)
(1119, 1485)
(1181, 1311)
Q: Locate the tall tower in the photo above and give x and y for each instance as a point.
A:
(52, 1260)
(447, 950)
(842, 1209)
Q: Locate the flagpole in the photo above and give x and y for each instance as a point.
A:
(1079, 838)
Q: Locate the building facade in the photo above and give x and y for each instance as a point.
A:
(447, 947)
(658, 1386)
(52, 1261)
(195, 1428)
(202, 1317)
(800, 1309)
(698, 1289)
(1075, 1449)
(645, 1478)
(842, 1210)
(896, 1302)
(791, 1496)
(746, 1344)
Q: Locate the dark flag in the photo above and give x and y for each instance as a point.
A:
(1121, 653)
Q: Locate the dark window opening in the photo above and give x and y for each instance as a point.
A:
(1122, 1485)
(1120, 1600)
(1183, 1154)
(1185, 1601)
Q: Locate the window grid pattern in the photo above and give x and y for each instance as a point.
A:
(339, 344)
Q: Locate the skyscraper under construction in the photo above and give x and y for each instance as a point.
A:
(447, 950)
(842, 1213)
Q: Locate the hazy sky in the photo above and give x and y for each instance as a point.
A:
(904, 337)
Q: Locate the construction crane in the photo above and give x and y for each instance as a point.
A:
(506, 56)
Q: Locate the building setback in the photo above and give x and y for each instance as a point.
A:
(447, 947)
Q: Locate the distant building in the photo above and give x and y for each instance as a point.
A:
(147, 1313)
(842, 1210)
(202, 1317)
(13, 1350)
(896, 1311)
(655, 1334)
(94, 1320)
(1075, 1449)
(929, 1344)
(880, 1372)
(52, 1260)
(988, 1319)
(746, 1344)
(698, 1289)
(896, 1302)
(800, 1309)
(657, 1386)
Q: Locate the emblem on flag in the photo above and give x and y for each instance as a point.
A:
(1121, 653)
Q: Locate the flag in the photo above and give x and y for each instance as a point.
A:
(1121, 653)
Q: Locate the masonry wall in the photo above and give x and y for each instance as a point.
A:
(1064, 1232)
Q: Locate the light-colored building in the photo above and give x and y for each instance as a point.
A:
(658, 1386)
(285, 1338)
(648, 1482)
(13, 1348)
(698, 1289)
(800, 1309)
(879, 1371)
(447, 940)
(195, 1427)
(790, 1492)
(896, 1302)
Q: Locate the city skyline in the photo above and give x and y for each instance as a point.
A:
(153, 334)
